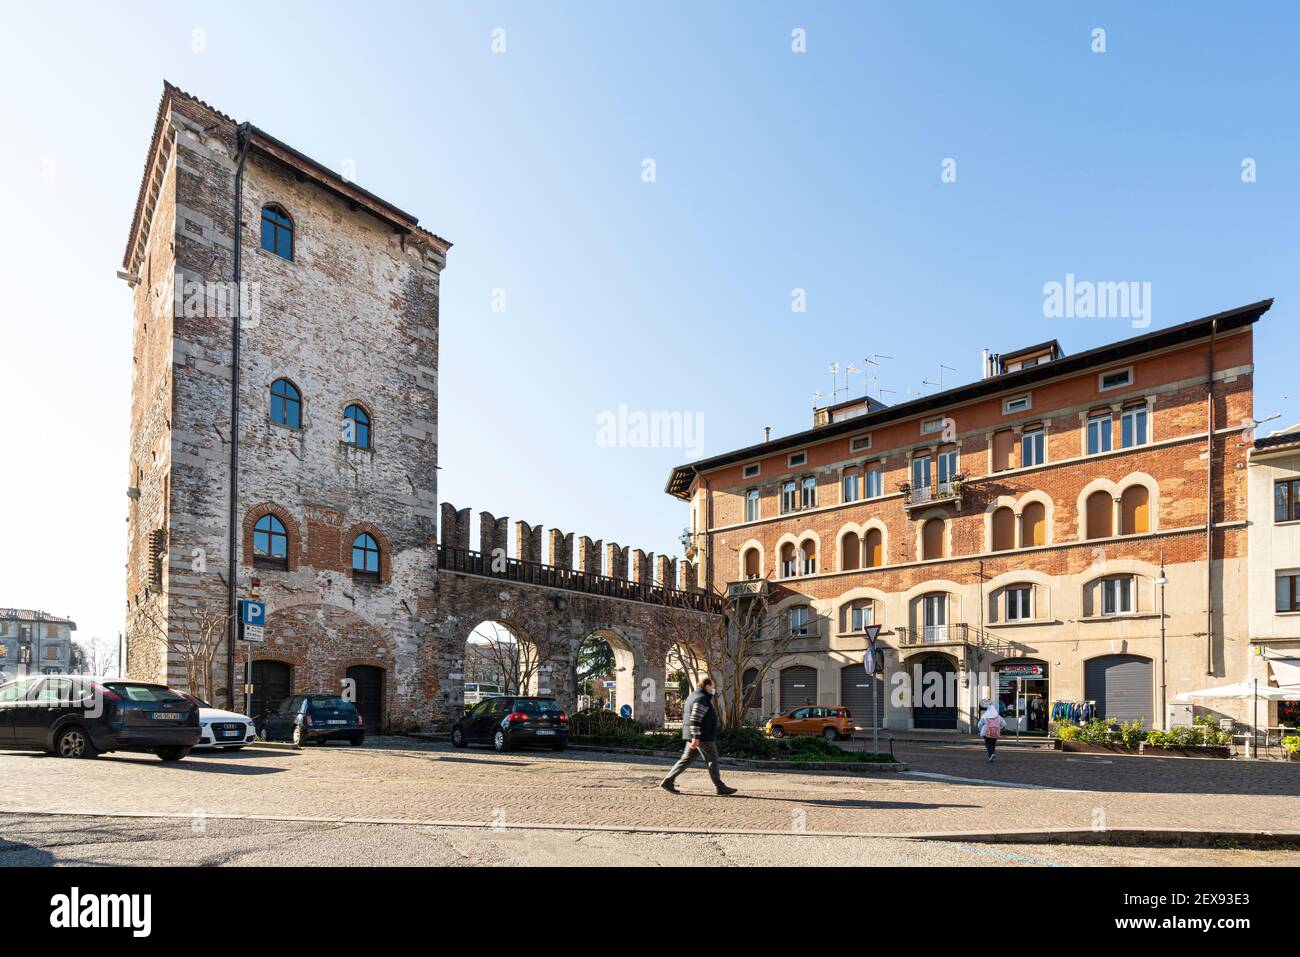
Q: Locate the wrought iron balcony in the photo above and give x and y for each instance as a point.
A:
(957, 634)
(938, 494)
(570, 579)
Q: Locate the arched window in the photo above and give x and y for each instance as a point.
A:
(932, 539)
(852, 552)
(751, 565)
(356, 427)
(1134, 512)
(1100, 518)
(809, 550)
(859, 614)
(789, 566)
(365, 558)
(270, 543)
(873, 552)
(286, 404)
(1033, 524)
(277, 232)
(1004, 529)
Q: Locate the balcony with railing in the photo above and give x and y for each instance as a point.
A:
(471, 562)
(940, 493)
(956, 634)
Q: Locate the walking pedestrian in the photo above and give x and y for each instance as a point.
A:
(990, 727)
(700, 732)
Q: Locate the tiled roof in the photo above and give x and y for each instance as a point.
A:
(28, 614)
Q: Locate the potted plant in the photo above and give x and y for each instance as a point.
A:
(1291, 747)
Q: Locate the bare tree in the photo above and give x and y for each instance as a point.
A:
(196, 633)
(518, 661)
(96, 656)
(745, 635)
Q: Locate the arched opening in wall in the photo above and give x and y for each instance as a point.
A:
(684, 666)
(852, 547)
(1004, 529)
(1134, 510)
(604, 674)
(932, 539)
(808, 554)
(500, 660)
(789, 564)
(1099, 509)
(1033, 524)
(751, 565)
(873, 549)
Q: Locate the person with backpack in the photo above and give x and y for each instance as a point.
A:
(990, 727)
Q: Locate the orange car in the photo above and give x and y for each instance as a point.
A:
(831, 723)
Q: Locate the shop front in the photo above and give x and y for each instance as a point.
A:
(1022, 695)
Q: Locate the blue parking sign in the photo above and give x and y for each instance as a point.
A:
(252, 620)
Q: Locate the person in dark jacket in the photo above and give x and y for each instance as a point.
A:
(700, 732)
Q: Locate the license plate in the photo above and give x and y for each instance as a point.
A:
(166, 716)
(336, 721)
(230, 734)
(545, 732)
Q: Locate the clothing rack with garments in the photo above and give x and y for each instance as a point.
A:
(1074, 712)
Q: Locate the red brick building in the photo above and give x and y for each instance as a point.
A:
(1007, 535)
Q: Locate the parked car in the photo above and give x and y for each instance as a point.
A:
(308, 718)
(77, 716)
(224, 730)
(512, 721)
(831, 723)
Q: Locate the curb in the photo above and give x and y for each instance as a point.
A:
(1127, 837)
(837, 767)
(1122, 837)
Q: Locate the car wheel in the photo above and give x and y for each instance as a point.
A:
(299, 739)
(458, 738)
(830, 734)
(559, 747)
(73, 742)
(356, 742)
(778, 731)
(500, 741)
(172, 753)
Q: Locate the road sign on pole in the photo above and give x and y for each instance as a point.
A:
(252, 627)
(869, 666)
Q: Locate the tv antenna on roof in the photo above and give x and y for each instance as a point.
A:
(873, 360)
(941, 368)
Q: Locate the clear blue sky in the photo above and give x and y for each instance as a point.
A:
(775, 170)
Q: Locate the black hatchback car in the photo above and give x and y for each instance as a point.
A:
(513, 721)
(75, 716)
(308, 718)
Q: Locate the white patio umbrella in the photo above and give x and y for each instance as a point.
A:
(1241, 691)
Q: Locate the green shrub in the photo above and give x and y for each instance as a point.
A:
(1292, 743)
(1131, 734)
(804, 746)
(746, 742)
(1066, 732)
(598, 721)
(1096, 731)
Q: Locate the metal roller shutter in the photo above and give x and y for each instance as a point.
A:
(798, 686)
(855, 694)
(1122, 687)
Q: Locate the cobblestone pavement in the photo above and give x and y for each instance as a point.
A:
(61, 841)
(951, 789)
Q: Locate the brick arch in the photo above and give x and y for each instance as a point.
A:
(385, 549)
(296, 545)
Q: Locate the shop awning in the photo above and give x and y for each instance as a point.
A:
(1286, 672)
(1242, 691)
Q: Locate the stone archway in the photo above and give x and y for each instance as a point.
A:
(619, 665)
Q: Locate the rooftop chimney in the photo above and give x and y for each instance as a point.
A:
(767, 433)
